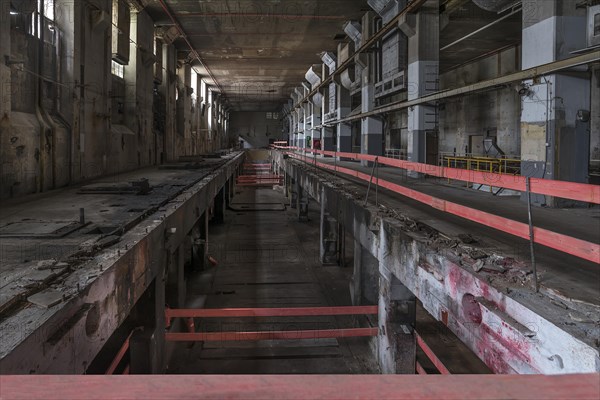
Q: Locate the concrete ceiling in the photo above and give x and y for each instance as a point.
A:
(259, 50)
(467, 18)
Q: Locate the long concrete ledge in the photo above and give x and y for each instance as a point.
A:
(511, 328)
(102, 291)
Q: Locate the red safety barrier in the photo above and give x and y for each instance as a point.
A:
(301, 387)
(259, 180)
(269, 312)
(569, 190)
(420, 369)
(257, 166)
(576, 247)
(119, 357)
(431, 355)
(270, 335)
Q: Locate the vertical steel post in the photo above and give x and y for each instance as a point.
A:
(531, 237)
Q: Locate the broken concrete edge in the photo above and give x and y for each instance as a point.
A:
(548, 345)
(67, 337)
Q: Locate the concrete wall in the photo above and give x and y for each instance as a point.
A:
(496, 112)
(65, 119)
(255, 129)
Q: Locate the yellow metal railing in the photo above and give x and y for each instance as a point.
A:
(470, 162)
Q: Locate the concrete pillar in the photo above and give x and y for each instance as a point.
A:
(396, 342)
(175, 279)
(329, 237)
(5, 73)
(371, 128)
(147, 348)
(227, 193)
(344, 130)
(219, 207)
(327, 139)
(364, 287)
(555, 127)
(301, 202)
(293, 193)
(200, 243)
(423, 76)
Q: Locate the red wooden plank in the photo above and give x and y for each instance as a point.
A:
(431, 355)
(269, 335)
(271, 312)
(576, 247)
(301, 387)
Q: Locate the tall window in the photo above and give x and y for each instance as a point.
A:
(121, 27)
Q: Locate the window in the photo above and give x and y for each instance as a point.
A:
(117, 69)
(121, 27)
(48, 9)
(597, 24)
(194, 87)
(273, 115)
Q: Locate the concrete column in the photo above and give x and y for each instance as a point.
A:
(227, 193)
(301, 202)
(329, 237)
(396, 343)
(355, 281)
(147, 347)
(371, 128)
(219, 207)
(327, 142)
(364, 288)
(199, 243)
(344, 130)
(555, 127)
(293, 193)
(175, 279)
(423, 76)
(5, 73)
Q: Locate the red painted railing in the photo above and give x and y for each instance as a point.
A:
(432, 357)
(305, 387)
(568, 190)
(567, 244)
(269, 312)
(119, 357)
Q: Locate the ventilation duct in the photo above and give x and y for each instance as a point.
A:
(379, 5)
(313, 76)
(330, 60)
(354, 31)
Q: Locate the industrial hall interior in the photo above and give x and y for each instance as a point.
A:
(300, 199)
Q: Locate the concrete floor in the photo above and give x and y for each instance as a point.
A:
(269, 259)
